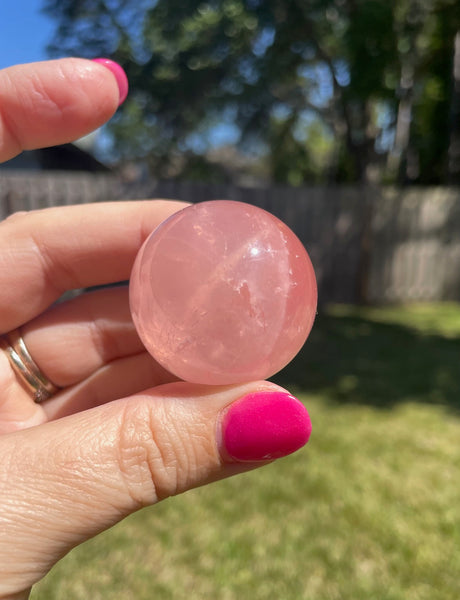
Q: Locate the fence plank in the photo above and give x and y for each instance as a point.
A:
(378, 245)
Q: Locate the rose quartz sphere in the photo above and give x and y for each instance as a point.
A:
(223, 292)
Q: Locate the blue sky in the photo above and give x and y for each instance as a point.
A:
(24, 32)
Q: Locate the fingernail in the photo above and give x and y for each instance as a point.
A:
(264, 426)
(119, 74)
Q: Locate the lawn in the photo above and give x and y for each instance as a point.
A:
(370, 509)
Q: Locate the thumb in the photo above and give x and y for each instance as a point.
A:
(67, 480)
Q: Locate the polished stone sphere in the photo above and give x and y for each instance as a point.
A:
(223, 292)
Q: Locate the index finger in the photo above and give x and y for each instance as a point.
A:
(44, 253)
(53, 102)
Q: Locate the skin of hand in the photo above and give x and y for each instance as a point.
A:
(121, 433)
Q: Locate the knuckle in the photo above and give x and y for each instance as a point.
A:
(138, 454)
(8, 128)
(161, 454)
(147, 458)
(40, 95)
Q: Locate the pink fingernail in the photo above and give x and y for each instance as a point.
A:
(119, 74)
(264, 426)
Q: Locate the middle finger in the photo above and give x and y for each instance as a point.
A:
(72, 340)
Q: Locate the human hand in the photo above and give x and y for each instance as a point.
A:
(120, 433)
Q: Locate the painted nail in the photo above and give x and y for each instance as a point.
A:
(264, 426)
(119, 74)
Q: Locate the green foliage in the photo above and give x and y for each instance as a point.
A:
(369, 48)
(432, 105)
(369, 509)
(270, 68)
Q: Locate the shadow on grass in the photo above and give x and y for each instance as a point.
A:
(351, 358)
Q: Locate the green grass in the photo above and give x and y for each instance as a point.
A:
(382, 356)
(368, 510)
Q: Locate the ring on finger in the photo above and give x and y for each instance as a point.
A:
(25, 368)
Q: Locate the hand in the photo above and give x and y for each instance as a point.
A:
(120, 433)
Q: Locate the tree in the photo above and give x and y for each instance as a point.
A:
(427, 54)
(454, 145)
(286, 77)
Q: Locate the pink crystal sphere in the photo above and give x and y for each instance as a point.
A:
(223, 292)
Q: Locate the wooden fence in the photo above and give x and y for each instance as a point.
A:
(374, 245)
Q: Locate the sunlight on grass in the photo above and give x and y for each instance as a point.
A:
(442, 318)
(368, 510)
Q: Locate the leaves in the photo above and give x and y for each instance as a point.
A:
(367, 72)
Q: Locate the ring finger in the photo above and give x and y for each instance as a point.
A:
(72, 340)
(84, 346)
